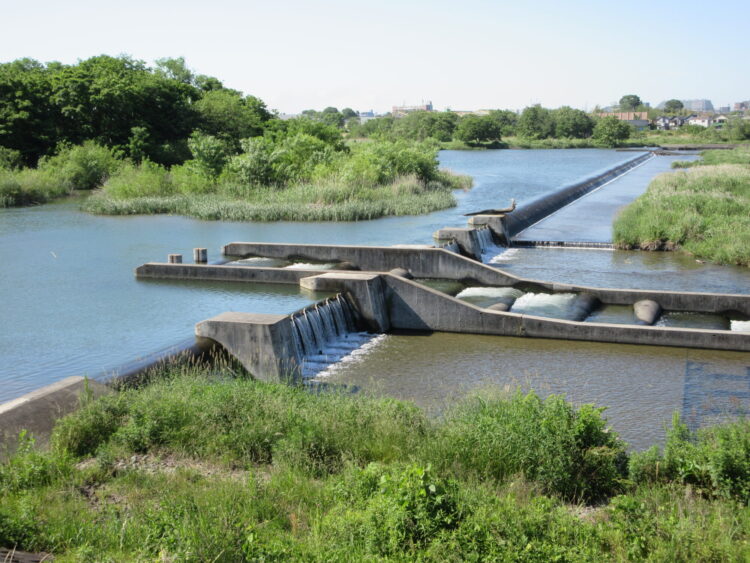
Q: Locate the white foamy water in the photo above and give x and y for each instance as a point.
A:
(740, 326)
(310, 266)
(260, 261)
(490, 292)
(557, 305)
(357, 355)
(506, 255)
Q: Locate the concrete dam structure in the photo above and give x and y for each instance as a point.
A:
(374, 293)
(403, 288)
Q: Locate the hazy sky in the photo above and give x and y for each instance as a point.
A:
(463, 54)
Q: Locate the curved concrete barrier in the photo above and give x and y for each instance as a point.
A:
(36, 412)
(530, 213)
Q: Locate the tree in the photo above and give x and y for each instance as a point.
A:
(572, 123)
(506, 119)
(229, 116)
(630, 102)
(673, 106)
(348, 113)
(421, 125)
(536, 123)
(477, 129)
(175, 69)
(609, 131)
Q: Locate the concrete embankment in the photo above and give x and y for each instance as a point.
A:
(36, 412)
(530, 213)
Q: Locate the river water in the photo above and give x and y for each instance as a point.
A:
(72, 305)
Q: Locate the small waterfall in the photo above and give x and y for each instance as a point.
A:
(485, 239)
(487, 245)
(324, 334)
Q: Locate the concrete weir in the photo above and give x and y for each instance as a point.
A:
(269, 345)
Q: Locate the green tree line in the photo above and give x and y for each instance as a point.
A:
(533, 123)
(120, 103)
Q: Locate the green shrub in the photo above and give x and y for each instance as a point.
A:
(142, 180)
(82, 167)
(29, 186)
(715, 460)
(568, 451)
(29, 468)
(389, 511)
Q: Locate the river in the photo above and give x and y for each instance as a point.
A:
(72, 305)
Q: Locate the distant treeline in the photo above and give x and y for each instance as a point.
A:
(533, 123)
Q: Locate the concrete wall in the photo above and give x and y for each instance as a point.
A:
(412, 306)
(264, 344)
(428, 263)
(36, 412)
(530, 213)
(466, 238)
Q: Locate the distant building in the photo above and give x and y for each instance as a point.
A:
(742, 106)
(670, 122)
(698, 105)
(365, 116)
(703, 120)
(480, 112)
(720, 120)
(724, 109)
(401, 111)
(625, 115)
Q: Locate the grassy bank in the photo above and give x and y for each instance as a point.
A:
(332, 201)
(203, 465)
(704, 211)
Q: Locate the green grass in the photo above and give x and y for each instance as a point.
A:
(328, 201)
(704, 211)
(204, 464)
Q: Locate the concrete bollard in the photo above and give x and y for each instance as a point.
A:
(174, 258)
(200, 255)
(647, 311)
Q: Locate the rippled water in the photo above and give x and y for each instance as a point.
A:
(641, 386)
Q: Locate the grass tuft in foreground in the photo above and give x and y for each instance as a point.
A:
(704, 211)
(201, 465)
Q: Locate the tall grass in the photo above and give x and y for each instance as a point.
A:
(705, 211)
(324, 201)
(201, 465)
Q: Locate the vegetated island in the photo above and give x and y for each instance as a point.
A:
(704, 211)
(164, 140)
(206, 464)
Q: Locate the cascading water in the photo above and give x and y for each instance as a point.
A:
(324, 334)
(487, 245)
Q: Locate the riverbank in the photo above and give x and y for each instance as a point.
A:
(205, 464)
(705, 211)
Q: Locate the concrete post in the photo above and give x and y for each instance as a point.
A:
(200, 255)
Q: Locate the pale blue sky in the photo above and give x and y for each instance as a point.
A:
(464, 54)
